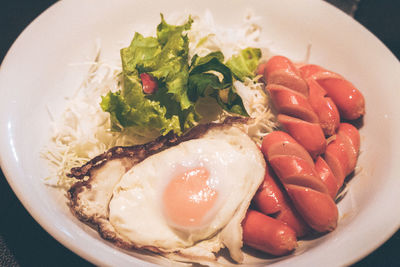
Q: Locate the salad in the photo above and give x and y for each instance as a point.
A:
(210, 75)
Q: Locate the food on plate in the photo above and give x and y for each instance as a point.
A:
(312, 187)
(308, 134)
(327, 177)
(324, 107)
(268, 234)
(281, 71)
(342, 153)
(348, 99)
(290, 95)
(184, 197)
(162, 62)
(273, 200)
(193, 146)
(220, 56)
(300, 180)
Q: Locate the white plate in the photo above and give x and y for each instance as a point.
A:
(37, 72)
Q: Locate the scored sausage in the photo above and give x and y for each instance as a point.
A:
(342, 153)
(311, 101)
(346, 96)
(291, 103)
(327, 176)
(308, 134)
(351, 138)
(348, 99)
(309, 194)
(268, 234)
(324, 107)
(271, 200)
(289, 93)
(280, 143)
(281, 71)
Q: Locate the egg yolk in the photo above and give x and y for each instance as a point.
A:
(188, 197)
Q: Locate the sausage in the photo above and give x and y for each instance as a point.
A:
(341, 154)
(261, 69)
(295, 170)
(327, 177)
(291, 103)
(281, 143)
(351, 138)
(316, 72)
(289, 94)
(268, 234)
(268, 196)
(337, 159)
(281, 71)
(324, 107)
(318, 209)
(271, 200)
(352, 133)
(309, 135)
(308, 193)
(348, 99)
(326, 98)
(308, 70)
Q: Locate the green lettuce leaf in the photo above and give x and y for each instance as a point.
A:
(149, 113)
(204, 80)
(245, 63)
(180, 85)
(164, 58)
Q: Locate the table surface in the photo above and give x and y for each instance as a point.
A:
(22, 240)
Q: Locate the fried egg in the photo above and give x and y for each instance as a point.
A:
(189, 200)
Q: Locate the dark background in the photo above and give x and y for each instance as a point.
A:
(24, 243)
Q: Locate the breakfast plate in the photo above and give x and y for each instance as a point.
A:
(44, 67)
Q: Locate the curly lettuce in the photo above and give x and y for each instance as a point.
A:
(245, 63)
(179, 84)
(164, 58)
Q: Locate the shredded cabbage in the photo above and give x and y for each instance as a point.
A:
(83, 130)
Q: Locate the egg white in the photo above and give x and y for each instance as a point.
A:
(236, 169)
